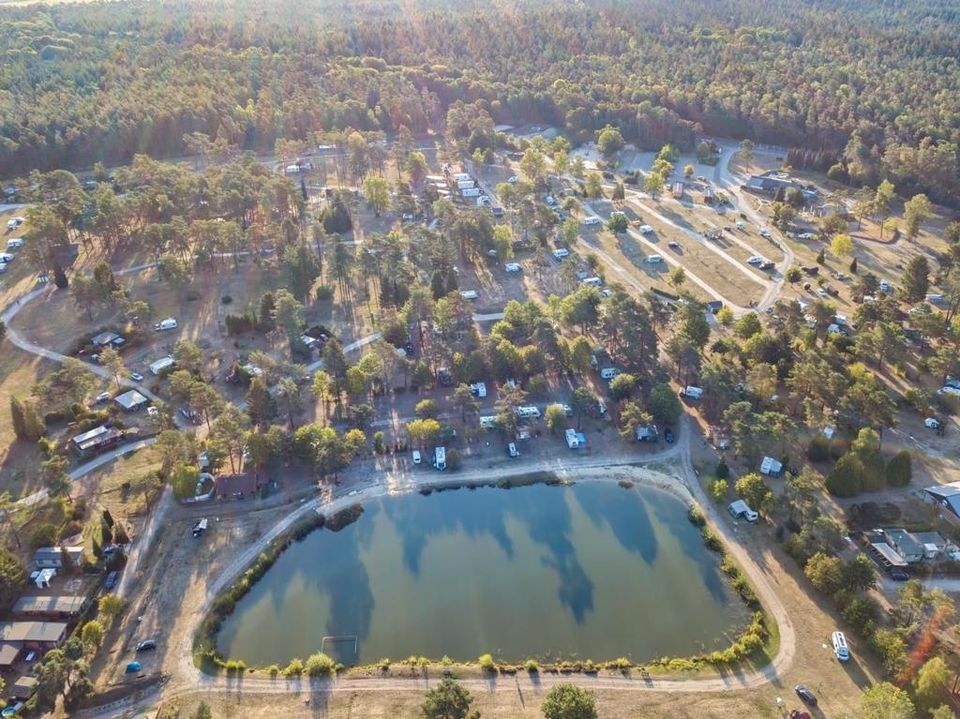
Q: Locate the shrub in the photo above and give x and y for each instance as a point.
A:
(718, 490)
(486, 663)
(45, 535)
(696, 517)
(900, 469)
(532, 666)
(319, 665)
(324, 292)
(273, 670)
(294, 668)
(710, 540)
(722, 471)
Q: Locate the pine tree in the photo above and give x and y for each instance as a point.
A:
(853, 266)
(27, 424)
(60, 277)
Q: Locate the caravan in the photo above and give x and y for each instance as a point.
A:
(440, 458)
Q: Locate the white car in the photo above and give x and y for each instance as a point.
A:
(822, 292)
(102, 397)
(594, 220)
(168, 324)
(741, 225)
(479, 390)
(561, 253)
(469, 294)
(512, 450)
(931, 423)
(805, 236)
(764, 232)
(417, 459)
(11, 224)
(755, 260)
(512, 267)
(512, 179)
(645, 229)
(654, 259)
(5, 257)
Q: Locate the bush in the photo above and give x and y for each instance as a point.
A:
(531, 666)
(900, 469)
(319, 665)
(722, 471)
(696, 517)
(710, 540)
(486, 663)
(273, 670)
(294, 668)
(718, 490)
(324, 292)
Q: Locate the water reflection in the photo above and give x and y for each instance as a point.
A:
(529, 571)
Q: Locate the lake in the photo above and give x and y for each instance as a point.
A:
(583, 571)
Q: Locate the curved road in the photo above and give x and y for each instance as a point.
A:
(187, 679)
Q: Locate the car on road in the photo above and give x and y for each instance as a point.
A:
(673, 245)
(133, 667)
(146, 645)
(806, 236)
(512, 450)
(417, 458)
(764, 232)
(668, 435)
(102, 397)
(898, 574)
(136, 377)
(805, 694)
(822, 292)
(111, 581)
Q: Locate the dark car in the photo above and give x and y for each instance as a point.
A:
(146, 645)
(668, 435)
(111, 581)
(805, 694)
(899, 574)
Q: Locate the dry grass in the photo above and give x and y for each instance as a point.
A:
(126, 486)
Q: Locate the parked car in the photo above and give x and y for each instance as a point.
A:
(805, 694)
(133, 667)
(146, 645)
(136, 377)
(417, 458)
(512, 450)
(898, 574)
(668, 435)
(102, 397)
(168, 324)
(111, 581)
(673, 245)
(14, 708)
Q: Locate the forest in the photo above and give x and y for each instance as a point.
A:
(872, 87)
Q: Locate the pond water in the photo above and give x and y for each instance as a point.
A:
(583, 571)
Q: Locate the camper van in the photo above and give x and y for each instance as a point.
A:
(167, 324)
(440, 458)
(692, 392)
(592, 281)
(608, 373)
(840, 649)
(592, 220)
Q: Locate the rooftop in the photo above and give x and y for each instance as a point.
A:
(50, 605)
(130, 400)
(49, 632)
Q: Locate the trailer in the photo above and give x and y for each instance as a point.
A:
(440, 458)
(471, 192)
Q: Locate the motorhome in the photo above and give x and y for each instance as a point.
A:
(440, 458)
(840, 649)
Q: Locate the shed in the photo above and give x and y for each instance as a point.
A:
(771, 467)
(131, 401)
(95, 439)
(9, 653)
(23, 688)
